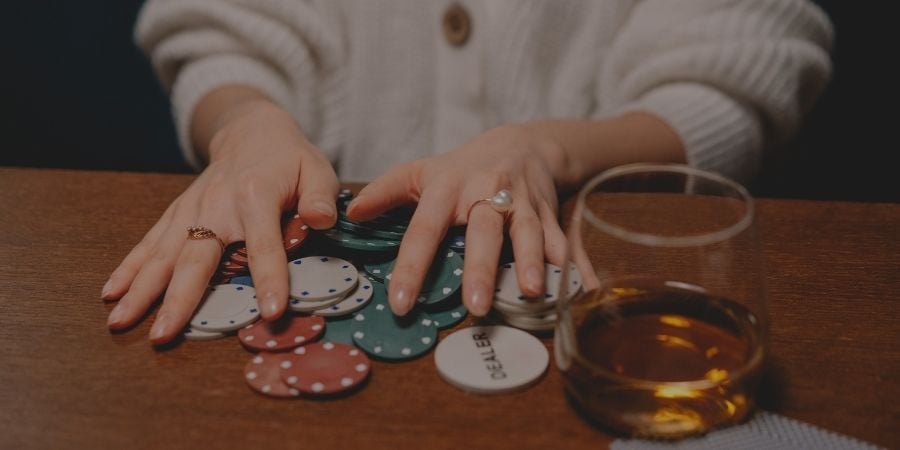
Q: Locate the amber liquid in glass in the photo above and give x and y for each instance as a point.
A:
(657, 359)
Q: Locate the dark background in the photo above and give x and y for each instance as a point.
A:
(75, 92)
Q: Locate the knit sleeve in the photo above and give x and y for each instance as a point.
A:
(283, 48)
(731, 77)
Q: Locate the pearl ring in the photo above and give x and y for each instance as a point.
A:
(501, 202)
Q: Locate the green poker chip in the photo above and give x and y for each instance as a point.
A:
(449, 316)
(364, 230)
(382, 335)
(352, 241)
(378, 270)
(339, 329)
(443, 279)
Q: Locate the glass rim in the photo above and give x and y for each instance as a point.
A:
(653, 240)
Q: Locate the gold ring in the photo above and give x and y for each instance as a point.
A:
(199, 233)
(501, 202)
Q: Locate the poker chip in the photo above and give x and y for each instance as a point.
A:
(309, 306)
(491, 359)
(226, 307)
(294, 232)
(244, 280)
(339, 329)
(456, 239)
(383, 335)
(348, 240)
(316, 278)
(263, 374)
(507, 287)
(443, 279)
(378, 270)
(194, 334)
(284, 334)
(325, 368)
(355, 300)
(448, 317)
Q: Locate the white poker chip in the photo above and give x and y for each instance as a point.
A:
(530, 323)
(507, 290)
(226, 307)
(309, 306)
(513, 310)
(355, 300)
(193, 334)
(491, 359)
(316, 278)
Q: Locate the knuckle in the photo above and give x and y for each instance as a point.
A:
(265, 248)
(524, 224)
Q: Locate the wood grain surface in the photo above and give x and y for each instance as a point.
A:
(67, 382)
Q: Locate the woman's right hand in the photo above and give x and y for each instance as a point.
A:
(261, 165)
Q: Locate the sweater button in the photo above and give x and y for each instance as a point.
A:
(457, 25)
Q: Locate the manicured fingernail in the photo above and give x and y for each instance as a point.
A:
(270, 304)
(104, 293)
(401, 302)
(480, 300)
(116, 315)
(533, 279)
(324, 208)
(159, 327)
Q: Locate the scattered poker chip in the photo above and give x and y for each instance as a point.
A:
(507, 290)
(325, 368)
(316, 278)
(442, 280)
(244, 280)
(383, 335)
(348, 240)
(448, 317)
(309, 306)
(226, 307)
(263, 374)
(294, 232)
(355, 300)
(378, 270)
(284, 334)
(339, 329)
(194, 334)
(491, 359)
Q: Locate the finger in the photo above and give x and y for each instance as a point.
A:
(266, 255)
(121, 278)
(417, 250)
(193, 269)
(527, 234)
(395, 188)
(318, 188)
(153, 277)
(484, 238)
(555, 243)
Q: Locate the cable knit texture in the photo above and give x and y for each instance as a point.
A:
(732, 77)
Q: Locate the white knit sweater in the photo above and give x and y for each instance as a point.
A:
(374, 83)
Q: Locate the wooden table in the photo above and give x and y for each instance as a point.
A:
(66, 382)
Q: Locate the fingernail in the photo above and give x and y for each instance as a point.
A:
(533, 279)
(480, 300)
(324, 208)
(159, 327)
(401, 303)
(270, 304)
(104, 293)
(115, 316)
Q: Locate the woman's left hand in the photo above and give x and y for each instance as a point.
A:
(516, 158)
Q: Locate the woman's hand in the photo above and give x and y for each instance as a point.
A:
(517, 158)
(260, 165)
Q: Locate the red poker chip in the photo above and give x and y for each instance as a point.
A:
(294, 231)
(238, 259)
(325, 368)
(263, 374)
(284, 334)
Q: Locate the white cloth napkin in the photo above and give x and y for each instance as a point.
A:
(766, 431)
